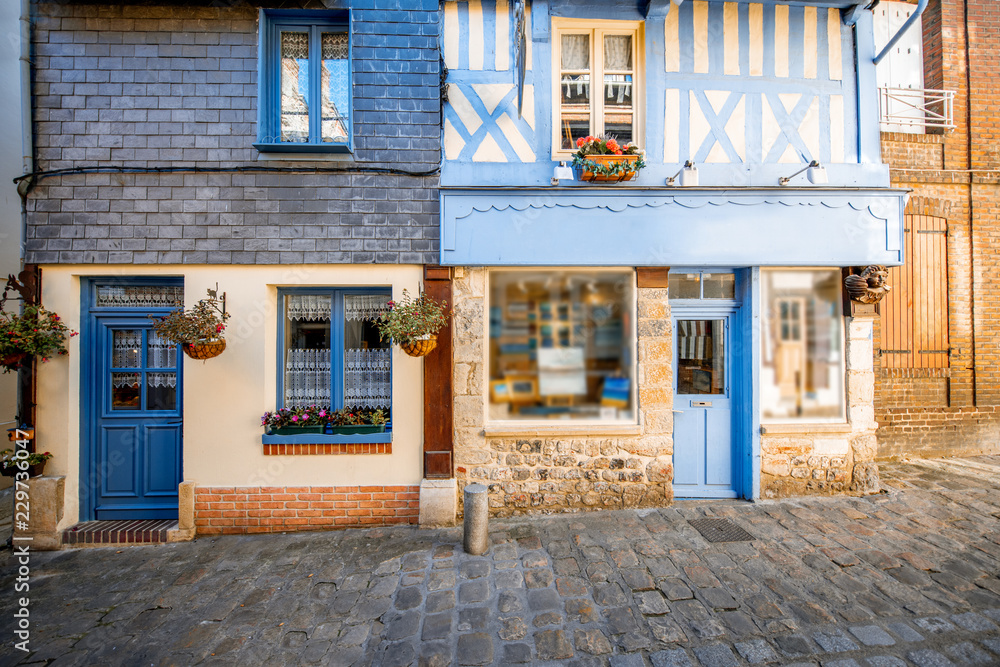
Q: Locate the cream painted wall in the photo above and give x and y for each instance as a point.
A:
(225, 397)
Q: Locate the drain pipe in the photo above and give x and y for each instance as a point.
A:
(921, 6)
(27, 138)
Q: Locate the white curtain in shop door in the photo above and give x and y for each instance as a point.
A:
(307, 378)
(368, 378)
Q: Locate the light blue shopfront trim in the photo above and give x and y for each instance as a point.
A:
(672, 227)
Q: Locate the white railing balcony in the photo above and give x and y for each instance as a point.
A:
(915, 110)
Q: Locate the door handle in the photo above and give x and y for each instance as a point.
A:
(678, 412)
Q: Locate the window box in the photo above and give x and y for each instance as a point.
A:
(363, 429)
(297, 430)
(605, 161)
(305, 93)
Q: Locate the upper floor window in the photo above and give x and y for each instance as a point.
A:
(305, 87)
(597, 81)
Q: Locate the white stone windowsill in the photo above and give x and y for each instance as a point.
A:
(804, 428)
(533, 430)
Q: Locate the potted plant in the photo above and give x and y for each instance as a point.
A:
(34, 333)
(413, 323)
(33, 463)
(602, 159)
(295, 421)
(353, 422)
(199, 330)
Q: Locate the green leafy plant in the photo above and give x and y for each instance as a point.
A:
(9, 459)
(35, 332)
(412, 318)
(205, 322)
(315, 415)
(607, 145)
(348, 417)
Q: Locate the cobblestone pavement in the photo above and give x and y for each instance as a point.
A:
(907, 577)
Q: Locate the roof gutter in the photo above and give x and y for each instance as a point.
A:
(921, 6)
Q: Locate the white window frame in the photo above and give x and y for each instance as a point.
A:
(597, 30)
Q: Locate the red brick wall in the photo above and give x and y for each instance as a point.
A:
(954, 175)
(277, 509)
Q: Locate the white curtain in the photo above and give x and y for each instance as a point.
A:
(617, 56)
(368, 378)
(576, 56)
(310, 307)
(134, 296)
(307, 378)
(365, 306)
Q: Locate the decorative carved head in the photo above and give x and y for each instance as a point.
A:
(870, 286)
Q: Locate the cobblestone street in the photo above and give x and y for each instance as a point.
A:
(907, 577)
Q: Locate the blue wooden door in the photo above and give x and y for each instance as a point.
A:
(136, 436)
(703, 425)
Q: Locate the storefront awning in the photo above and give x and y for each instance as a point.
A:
(703, 227)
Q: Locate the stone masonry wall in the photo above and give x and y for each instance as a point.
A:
(536, 473)
(142, 88)
(827, 460)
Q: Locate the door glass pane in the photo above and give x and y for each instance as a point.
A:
(160, 352)
(719, 285)
(307, 350)
(161, 391)
(335, 89)
(125, 391)
(684, 285)
(701, 364)
(367, 360)
(126, 344)
(140, 296)
(295, 87)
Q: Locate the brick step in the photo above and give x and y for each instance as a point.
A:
(121, 532)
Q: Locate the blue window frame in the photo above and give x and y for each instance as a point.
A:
(305, 96)
(329, 350)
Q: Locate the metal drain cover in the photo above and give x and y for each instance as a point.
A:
(720, 530)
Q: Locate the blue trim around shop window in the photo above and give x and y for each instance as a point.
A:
(271, 21)
(89, 398)
(336, 364)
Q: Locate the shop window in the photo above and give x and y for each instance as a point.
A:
(561, 345)
(329, 349)
(597, 83)
(802, 338)
(305, 87)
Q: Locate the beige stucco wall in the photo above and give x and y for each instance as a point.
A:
(225, 397)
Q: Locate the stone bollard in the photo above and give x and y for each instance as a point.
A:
(476, 520)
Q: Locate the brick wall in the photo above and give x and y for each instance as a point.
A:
(954, 175)
(280, 509)
(175, 87)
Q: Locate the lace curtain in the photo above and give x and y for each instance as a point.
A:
(149, 296)
(311, 307)
(617, 56)
(161, 379)
(125, 348)
(365, 306)
(368, 378)
(161, 353)
(119, 380)
(307, 378)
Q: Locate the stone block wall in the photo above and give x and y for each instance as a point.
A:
(829, 459)
(552, 472)
(954, 175)
(165, 97)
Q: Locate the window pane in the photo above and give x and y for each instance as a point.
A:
(719, 285)
(160, 352)
(684, 285)
(560, 345)
(144, 296)
(802, 368)
(576, 52)
(307, 350)
(161, 391)
(335, 90)
(295, 87)
(367, 360)
(701, 357)
(126, 344)
(125, 391)
(574, 89)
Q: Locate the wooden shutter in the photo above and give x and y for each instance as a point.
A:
(915, 312)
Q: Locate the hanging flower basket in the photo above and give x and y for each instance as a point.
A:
(13, 360)
(420, 348)
(204, 350)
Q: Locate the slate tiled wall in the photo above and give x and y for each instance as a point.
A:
(174, 87)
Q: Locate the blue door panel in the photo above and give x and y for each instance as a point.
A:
(118, 454)
(135, 421)
(719, 448)
(162, 461)
(689, 461)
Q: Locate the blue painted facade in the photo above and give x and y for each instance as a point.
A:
(750, 92)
